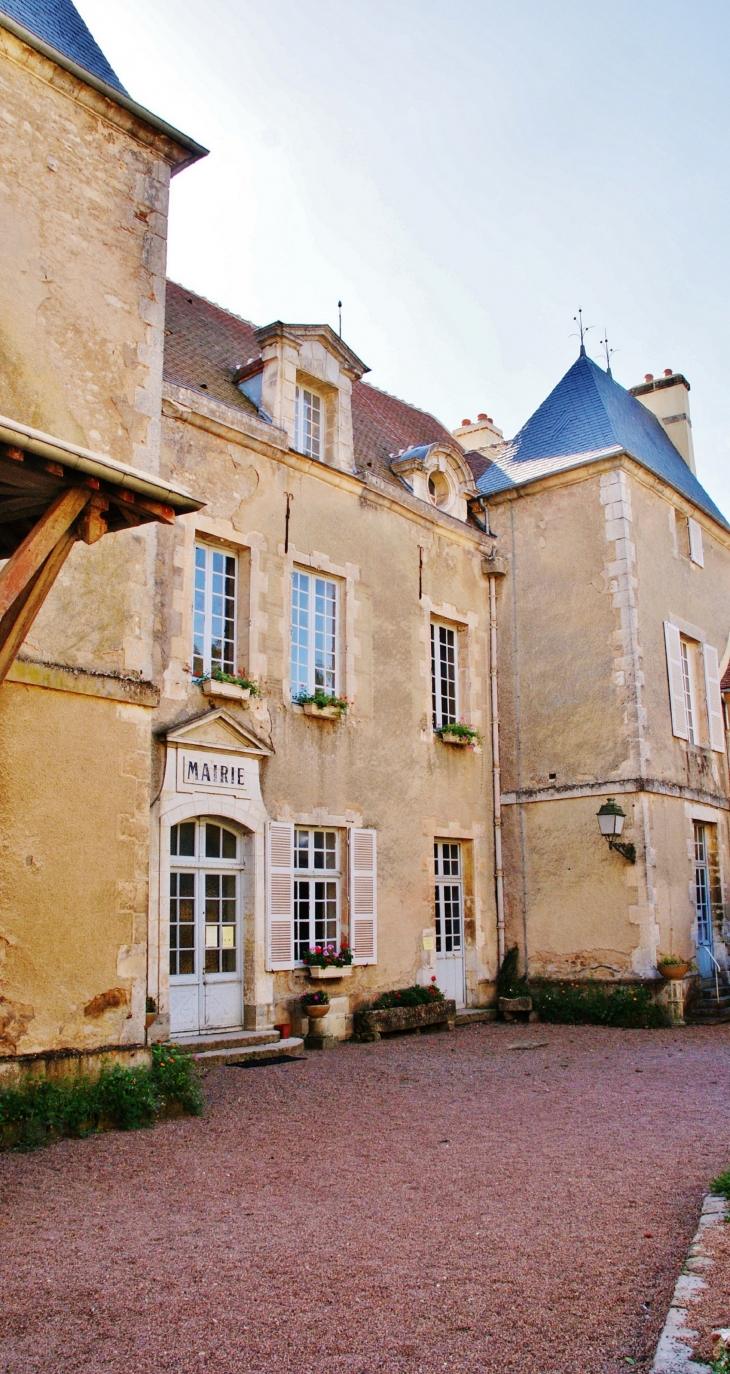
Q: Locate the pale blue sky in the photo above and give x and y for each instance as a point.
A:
(464, 176)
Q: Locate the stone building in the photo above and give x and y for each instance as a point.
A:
(360, 680)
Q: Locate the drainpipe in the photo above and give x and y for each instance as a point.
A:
(498, 869)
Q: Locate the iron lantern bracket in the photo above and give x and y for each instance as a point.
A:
(628, 850)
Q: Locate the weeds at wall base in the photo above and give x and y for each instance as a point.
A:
(630, 1006)
(120, 1099)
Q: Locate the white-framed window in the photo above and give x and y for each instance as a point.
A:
(689, 691)
(313, 635)
(214, 611)
(205, 867)
(316, 889)
(444, 674)
(308, 423)
(449, 904)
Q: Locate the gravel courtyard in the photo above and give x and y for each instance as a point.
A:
(426, 1203)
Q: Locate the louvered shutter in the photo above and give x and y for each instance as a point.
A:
(714, 699)
(280, 887)
(676, 680)
(363, 896)
(696, 551)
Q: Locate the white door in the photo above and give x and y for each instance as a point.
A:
(703, 904)
(206, 984)
(449, 920)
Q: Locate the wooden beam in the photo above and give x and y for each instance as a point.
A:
(35, 548)
(17, 621)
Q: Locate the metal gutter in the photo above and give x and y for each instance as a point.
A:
(195, 150)
(96, 465)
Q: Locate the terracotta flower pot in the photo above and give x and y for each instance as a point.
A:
(673, 970)
(314, 1011)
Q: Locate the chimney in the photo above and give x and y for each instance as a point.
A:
(668, 398)
(482, 434)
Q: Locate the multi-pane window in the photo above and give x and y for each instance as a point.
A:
(214, 611)
(444, 665)
(702, 886)
(204, 881)
(316, 890)
(308, 426)
(688, 692)
(313, 635)
(447, 868)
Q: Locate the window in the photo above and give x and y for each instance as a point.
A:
(439, 489)
(204, 898)
(687, 686)
(316, 895)
(702, 886)
(696, 551)
(447, 866)
(313, 635)
(308, 426)
(214, 611)
(444, 664)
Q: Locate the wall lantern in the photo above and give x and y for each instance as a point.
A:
(611, 821)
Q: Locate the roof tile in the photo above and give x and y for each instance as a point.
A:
(59, 24)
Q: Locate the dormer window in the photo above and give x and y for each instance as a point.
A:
(439, 489)
(438, 473)
(309, 423)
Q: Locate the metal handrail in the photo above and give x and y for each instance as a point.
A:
(718, 967)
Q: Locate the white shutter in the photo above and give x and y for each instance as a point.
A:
(363, 896)
(696, 552)
(280, 890)
(676, 680)
(714, 699)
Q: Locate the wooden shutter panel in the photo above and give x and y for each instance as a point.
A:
(280, 889)
(696, 551)
(363, 896)
(676, 680)
(714, 699)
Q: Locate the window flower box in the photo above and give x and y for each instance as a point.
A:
(231, 690)
(463, 736)
(331, 972)
(310, 708)
(370, 1025)
(448, 738)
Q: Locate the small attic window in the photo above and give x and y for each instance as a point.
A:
(439, 489)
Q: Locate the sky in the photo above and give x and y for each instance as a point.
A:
(463, 176)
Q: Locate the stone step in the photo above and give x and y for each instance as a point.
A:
(467, 1016)
(273, 1049)
(701, 1016)
(226, 1040)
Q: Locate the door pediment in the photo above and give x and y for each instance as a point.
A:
(220, 731)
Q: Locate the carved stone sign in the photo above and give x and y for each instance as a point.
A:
(213, 771)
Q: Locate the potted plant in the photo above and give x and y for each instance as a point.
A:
(325, 961)
(319, 703)
(671, 966)
(460, 734)
(406, 1009)
(315, 1005)
(236, 687)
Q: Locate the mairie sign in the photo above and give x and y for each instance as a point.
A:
(203, 771)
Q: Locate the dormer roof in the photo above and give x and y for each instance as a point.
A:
(586, 417)
(349, 361)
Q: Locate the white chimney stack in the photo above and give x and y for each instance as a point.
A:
(668, 398)
(482, 434)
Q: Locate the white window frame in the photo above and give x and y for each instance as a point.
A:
(690, 692)
(312, 873)
(205, 597)
(199, 866)
(448, 874)
(442, 716)
(309, 422)
(311, 623)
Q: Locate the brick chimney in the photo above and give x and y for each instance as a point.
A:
(668, 398)
(482, 434)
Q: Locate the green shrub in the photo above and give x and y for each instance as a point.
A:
(721, 1184)
(409, 997)
(509, 983)
(629, 1005)
(126, 1099)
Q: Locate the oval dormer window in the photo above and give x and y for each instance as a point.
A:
(438, 489)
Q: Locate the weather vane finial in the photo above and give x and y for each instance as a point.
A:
(608, 351)
(339, 307)
(583, 329)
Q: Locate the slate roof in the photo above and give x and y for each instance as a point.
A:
(59, 24)
(204, 345)
(589, 416)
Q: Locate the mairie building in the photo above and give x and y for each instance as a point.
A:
(337, 675)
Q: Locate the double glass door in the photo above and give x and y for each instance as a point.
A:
(206, 986)
(703, 901)
(449, 920)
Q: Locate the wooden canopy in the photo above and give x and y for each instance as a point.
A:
(51, 494)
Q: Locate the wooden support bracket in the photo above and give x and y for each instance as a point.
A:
(17, 621)
(38, 544)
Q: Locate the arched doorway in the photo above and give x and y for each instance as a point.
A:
(208, 864)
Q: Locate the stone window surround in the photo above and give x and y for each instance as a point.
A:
(469, 690)
(348, 647)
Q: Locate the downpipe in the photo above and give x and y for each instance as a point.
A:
(496, 774)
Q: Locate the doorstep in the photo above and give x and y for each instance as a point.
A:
(468, 1016)
(273, 1049)
(225, 1040)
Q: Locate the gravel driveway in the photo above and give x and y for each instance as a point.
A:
(429, 1203)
